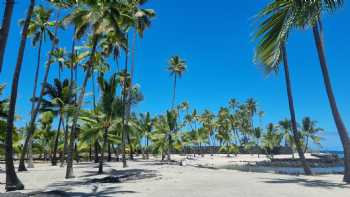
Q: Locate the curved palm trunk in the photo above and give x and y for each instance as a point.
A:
(54, 159)
(69, 171)
(12, 181)
(35, 112)
(296, 135)
(5, 28)
(342, 131)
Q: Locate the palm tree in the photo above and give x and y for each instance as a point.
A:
(61, 97)
(5, 28)
(110, 104)
(310, 131)
(99, 17)
(39, 29)
(12, 181)
(140, 19)
(271, 139)
(278, 19)
(176, 67)
(145, 126)
(35, 111)
(311, 15)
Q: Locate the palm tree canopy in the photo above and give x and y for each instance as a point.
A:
(277, 20)
(177, 66)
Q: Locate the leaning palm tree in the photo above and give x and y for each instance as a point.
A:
(12, 181)
(278, 18)
(39, 29)
(311, 15)
(5, 28)
(35, 111)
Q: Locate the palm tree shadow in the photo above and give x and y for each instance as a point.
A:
(107, 191)
(91, 181)
(308, 183)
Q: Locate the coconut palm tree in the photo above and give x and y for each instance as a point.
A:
(110, 104)
(12, 181)
(59, 97)
(35, 111)
(310, 13)
(271, 139)
(278, 18)
(5, 28)
(310, 131)
(176, 67)
(39, 29)
(145, 126)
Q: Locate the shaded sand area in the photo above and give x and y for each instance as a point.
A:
(200, 176)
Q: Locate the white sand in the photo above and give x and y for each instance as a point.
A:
(152, 179)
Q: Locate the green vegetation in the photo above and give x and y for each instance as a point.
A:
(102, 32)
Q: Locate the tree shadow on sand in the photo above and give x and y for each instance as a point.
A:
(308, 183)
(92, 182)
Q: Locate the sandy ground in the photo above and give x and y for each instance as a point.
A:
(195, 178)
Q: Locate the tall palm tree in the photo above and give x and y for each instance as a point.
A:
(139, 19)
(99, 17)
(39, 29)
(35, 111)
(5, 28)
(12, 181)
(278, 18)
(311, 15)
(176, 67)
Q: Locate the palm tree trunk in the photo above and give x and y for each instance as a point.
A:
(5, 28)
(296, 135)
(12, 181)
(172, 107)
(65, 142)
(96, 151)
(174, 93)
(342, 131)
(147, 150)
(100, 168)
(124, 102)
(54, 160)
(30, 150)
(35, 112)
(69, 171)
(109, 152)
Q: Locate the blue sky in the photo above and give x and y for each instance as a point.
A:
(215, 40)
